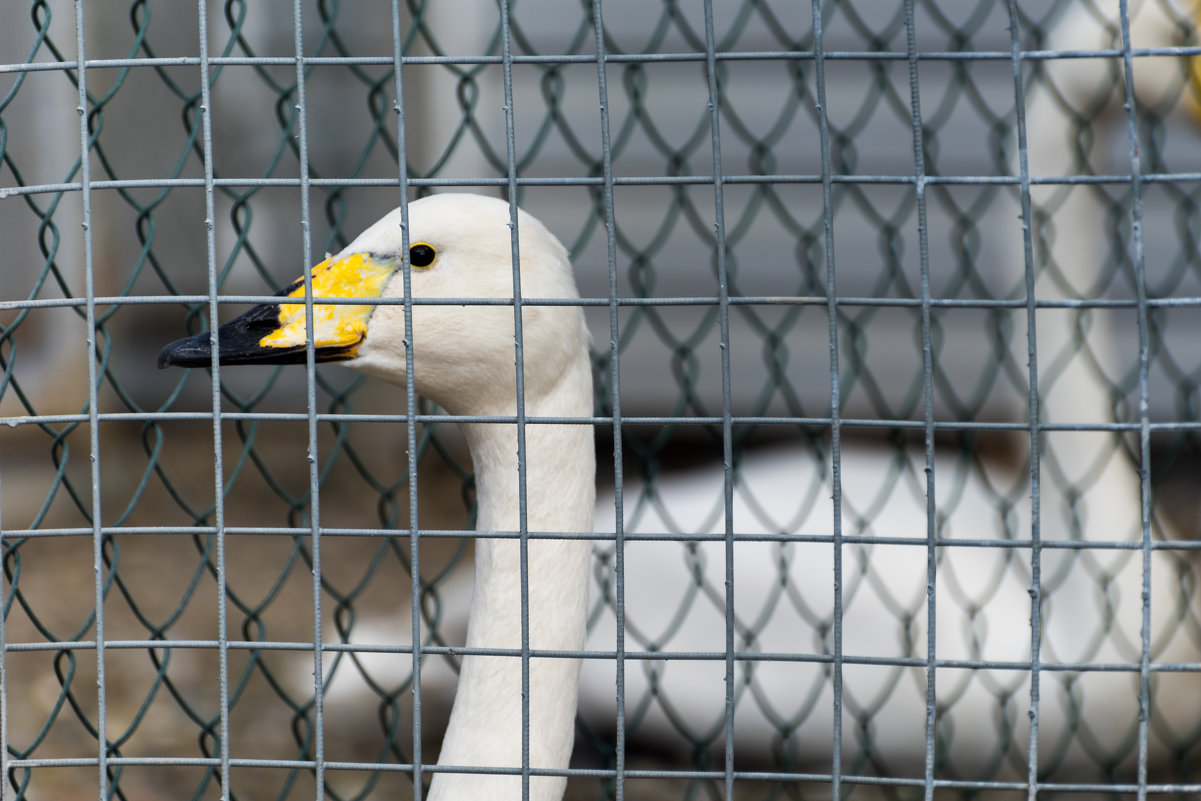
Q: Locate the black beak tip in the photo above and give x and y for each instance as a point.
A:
(240, 344)
(190, 352)
(166, 359)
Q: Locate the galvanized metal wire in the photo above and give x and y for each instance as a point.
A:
(948, 246)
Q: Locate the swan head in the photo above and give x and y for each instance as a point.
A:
(460, 246)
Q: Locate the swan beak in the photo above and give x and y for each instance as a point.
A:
(274, 333)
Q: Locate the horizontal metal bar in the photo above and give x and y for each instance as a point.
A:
(15, 421)
(900, 179)
(608, 58)
(608, 536)
(1180, 302)
(632, 654)
(628, 773)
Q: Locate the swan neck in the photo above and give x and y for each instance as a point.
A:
(485, 727)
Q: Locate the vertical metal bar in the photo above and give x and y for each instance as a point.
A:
(823, 127)
(614, 400)
(523, 525)
(919, 187)
(206, 121)
(1144, 391)
(310, 379)
(3, 655)
(85, 178)
(410, 395)
(1033, 410)
(723, 317)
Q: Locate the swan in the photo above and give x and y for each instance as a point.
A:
(463, 360)
(1090, 491)
(993, 625)
(674, 592)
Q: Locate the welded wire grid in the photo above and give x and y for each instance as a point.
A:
(923, 275)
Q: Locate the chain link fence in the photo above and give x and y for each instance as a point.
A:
(942, 221)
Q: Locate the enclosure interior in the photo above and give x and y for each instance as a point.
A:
(894, 330)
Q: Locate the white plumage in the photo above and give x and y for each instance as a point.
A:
(463, 359)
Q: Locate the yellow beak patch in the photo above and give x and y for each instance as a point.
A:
(341, 325)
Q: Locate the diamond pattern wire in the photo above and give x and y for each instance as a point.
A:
(906, 633)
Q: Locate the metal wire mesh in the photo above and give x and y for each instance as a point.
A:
(924, 276)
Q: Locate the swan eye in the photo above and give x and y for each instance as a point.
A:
(422, 255)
